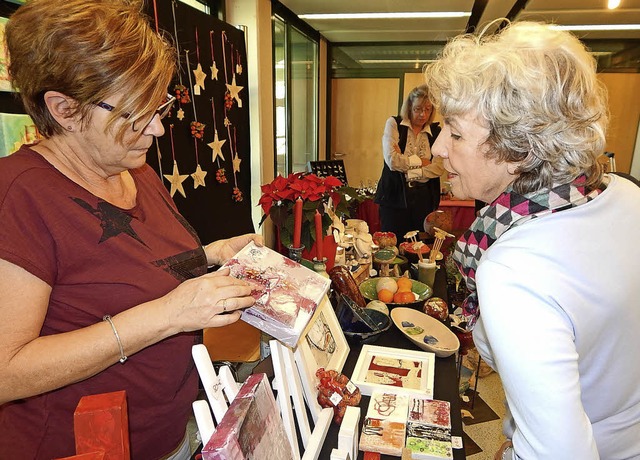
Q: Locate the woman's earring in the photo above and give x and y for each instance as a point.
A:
(70, 128)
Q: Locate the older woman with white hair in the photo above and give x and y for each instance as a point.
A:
(551, 261)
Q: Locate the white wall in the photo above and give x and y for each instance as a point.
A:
(255, 16)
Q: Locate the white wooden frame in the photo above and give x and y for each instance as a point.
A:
(306, 361)
(369, 351)
(287, 383)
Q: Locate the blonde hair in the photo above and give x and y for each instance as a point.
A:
(417, 95)
(536, 89)
(88, 51)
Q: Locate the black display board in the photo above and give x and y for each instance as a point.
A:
(213, 209)
(329, 168)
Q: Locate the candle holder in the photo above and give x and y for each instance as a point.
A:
(295, 254)
(320, 266)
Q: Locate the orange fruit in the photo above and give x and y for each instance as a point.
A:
(403, 297)
(385, 295)
(404, 284)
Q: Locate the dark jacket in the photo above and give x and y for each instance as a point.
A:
(392, 186)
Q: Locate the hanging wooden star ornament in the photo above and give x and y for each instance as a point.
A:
(176, 179)
(236, 163)
(237, 193)
(198, 177)
(214, 68)
(234, 90)
(238, 64)
(198, 74)
(181, 91)
(216, 146)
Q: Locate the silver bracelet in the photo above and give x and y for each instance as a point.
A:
(123, 357)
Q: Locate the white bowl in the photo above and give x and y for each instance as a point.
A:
(417, 326)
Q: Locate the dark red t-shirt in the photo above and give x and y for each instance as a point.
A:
(99, 260)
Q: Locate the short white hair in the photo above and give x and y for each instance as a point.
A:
(535, 88)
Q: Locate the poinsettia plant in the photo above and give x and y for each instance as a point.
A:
(317, 193)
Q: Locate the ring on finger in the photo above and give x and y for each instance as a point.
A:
(224, 305)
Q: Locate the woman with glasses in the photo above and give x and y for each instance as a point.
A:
(104, 285)
(409, 187)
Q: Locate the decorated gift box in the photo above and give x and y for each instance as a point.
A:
(252, 428)
(287, 293)
(384, 426)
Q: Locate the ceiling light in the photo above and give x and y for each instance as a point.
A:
(587, 27)
(408, 15)
(614, 4)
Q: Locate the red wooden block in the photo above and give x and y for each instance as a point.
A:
(101, 423)
(89, 456)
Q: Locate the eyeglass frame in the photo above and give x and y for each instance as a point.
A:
(426, 109)
(162, 111)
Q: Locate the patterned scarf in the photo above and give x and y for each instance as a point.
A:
(509, 210)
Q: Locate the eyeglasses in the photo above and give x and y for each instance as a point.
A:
(162, 110)
(418, 110)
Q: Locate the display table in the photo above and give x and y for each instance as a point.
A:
(463, 212)
(445, 383)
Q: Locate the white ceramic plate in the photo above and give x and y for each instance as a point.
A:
(426, 332)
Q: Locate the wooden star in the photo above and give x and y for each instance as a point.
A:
(176, 180)
(216, 146)
(236, 164)
(234, 90)
(180, 114)
(199, 76)
(198, 177)
(214, 71)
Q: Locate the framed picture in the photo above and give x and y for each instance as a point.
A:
(394, 370)
(322, 344)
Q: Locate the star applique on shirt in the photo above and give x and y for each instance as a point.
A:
(112, 220)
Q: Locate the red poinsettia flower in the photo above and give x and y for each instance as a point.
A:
(278, 198)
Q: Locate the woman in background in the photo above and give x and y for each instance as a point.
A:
(409, 187)
(104, 284)
(552, 260)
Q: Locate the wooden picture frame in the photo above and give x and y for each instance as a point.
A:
(415, 371)
(322, 344)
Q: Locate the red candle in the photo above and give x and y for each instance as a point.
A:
(297, 222)
(319, 236)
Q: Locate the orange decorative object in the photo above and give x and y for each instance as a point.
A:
(404, 297)
(385, 295)
(101, 423)
(404, 284)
